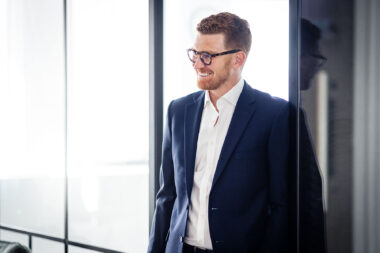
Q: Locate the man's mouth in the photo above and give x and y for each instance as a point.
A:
(202, 75)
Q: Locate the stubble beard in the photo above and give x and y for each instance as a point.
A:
(215, 82)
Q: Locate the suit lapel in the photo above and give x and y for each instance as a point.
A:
(193, 115)
(243, 112)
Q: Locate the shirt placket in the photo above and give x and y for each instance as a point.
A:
(204, 191)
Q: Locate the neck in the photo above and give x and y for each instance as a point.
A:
(223, 89)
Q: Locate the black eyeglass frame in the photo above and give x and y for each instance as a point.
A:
(208, 54)
(320, 57)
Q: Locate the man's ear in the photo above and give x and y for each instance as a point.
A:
(239, 59)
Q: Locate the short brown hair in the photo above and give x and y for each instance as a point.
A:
(236, 30)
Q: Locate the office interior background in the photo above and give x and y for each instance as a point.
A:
(84, 87)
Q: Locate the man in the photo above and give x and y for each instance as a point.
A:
(311, 214)
(224, 165)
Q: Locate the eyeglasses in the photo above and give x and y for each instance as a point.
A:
(206, 57)
(321, 59)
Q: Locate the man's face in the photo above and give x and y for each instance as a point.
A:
(311, 61)
(211, 77)
(309, 67)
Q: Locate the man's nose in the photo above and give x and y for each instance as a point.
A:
(198, 64)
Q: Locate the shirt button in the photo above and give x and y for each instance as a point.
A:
(181, 239)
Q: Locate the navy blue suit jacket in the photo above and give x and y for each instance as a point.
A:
(248, 198)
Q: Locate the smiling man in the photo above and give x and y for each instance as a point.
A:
(225, 155)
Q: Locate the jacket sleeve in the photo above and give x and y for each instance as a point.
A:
(166, 195)
(277, 222)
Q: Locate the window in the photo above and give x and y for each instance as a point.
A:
(90, 118)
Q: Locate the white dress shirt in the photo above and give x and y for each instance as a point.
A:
(212, 132)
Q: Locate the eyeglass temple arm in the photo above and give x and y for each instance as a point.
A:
(227, 52)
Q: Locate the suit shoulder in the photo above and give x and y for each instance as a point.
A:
(182, 101)
(269, 100)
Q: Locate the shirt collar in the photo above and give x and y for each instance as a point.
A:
(231, 96)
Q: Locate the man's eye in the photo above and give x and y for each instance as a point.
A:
(206, 56)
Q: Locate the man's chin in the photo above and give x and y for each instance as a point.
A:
(206, 86)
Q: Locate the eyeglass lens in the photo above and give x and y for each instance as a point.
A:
(204, 56)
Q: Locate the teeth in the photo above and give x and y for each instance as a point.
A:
(204, 74)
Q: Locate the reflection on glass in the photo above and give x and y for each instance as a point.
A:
(366, 128)
(311, 212)
(108, 124)
(342, 110)
(32, 116)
